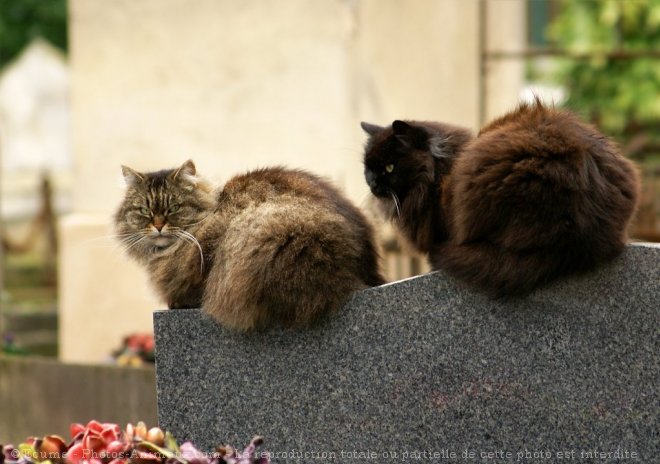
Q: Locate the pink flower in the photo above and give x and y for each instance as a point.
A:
(95, 443)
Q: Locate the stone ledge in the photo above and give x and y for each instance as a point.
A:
(424, 364)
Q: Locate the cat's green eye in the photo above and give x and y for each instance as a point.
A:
(174, 208)
(145, 211)
(389, 168)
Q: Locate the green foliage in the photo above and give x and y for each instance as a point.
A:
(24, 20)
(620, 95)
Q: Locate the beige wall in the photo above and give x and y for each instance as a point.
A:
(418, 60)
(505, 31)
(237, 84)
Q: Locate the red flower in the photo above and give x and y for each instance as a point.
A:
(95, 443)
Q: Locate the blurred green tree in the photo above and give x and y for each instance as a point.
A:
(616, 86)
(24, 20)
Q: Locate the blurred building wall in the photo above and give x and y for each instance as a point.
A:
(238, 84)
(34, 131)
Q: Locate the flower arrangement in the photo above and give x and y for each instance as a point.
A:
(104, 443)
(137, 349)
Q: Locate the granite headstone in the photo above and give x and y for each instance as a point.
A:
(426, 370)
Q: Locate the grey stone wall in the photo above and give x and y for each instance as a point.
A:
(426, 370)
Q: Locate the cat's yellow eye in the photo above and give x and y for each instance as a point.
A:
(174, 208)
(389, 168)
(144, 211)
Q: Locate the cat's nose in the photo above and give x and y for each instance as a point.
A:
(159, 223)
(372, 182)
(370, 178)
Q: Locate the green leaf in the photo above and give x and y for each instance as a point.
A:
(26, 450)
(612, 92)
(170, 442)
(148, 446)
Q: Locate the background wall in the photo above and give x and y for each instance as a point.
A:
(43, 397)
(237, 84)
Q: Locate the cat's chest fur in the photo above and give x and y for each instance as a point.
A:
(179, 274)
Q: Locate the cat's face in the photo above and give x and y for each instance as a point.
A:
(396, 159)
(410, 155)
(160, 207)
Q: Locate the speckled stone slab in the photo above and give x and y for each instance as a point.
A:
(425, 370)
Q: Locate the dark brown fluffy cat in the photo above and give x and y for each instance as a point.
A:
(273, 247)
(538, 194)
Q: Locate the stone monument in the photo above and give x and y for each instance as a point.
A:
(425, 369)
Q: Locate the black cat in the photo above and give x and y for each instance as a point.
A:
(538, 194)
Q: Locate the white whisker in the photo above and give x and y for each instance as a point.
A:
(367, 201)
(195, 223)
(132, 243)
(397, 204)
(112, 237)
(191, 238)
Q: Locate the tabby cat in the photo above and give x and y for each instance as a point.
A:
(537, 195)
(274, 247)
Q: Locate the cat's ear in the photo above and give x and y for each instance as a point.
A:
(186, 173)
(409, 135)
(187, 169)
(371, 129)
(131, 176)
(439, 147)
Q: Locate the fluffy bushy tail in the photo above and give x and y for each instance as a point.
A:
(538, 195)
(290, 267)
